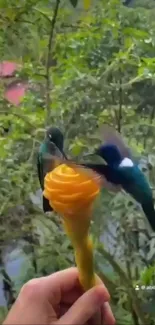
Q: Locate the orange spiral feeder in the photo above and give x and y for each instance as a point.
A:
(71, 193)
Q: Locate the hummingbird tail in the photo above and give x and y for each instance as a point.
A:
(149, 211)
(46, 205)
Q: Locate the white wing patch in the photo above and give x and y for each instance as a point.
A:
(126, 162)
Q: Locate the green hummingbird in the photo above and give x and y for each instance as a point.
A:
(50, 147)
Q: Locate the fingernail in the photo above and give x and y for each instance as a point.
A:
(108, 317)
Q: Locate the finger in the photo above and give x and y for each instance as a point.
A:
(66, 279)
(97, 319)
(53, 286)
(85, 307)
(63, 309)
(72, 295)
(107, 315)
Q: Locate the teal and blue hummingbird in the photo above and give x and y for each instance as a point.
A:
(123, 172)
(51, 146)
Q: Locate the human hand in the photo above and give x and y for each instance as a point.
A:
(58, 299)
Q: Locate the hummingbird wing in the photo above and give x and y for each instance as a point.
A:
(111, 136)
(45, 164)
(46, 205)
(98, 172)
(102, 173)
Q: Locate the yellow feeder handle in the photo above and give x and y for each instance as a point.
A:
(71, 193)
(83, 249)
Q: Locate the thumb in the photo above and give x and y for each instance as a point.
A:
(85, 307)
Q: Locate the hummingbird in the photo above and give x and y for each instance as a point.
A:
(120, 169)
(51, 146)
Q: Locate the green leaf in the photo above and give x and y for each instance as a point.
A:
(76, 148)
(147, 275)
(74, 3)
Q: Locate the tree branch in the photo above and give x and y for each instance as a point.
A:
(48, 84)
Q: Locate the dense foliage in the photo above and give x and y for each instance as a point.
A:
(86, 62)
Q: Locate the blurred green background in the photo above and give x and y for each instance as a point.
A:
(82, 68)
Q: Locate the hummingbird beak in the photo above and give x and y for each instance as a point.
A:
(64, 154)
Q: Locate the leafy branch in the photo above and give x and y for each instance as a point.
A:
(48, 83)
(20, 116)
